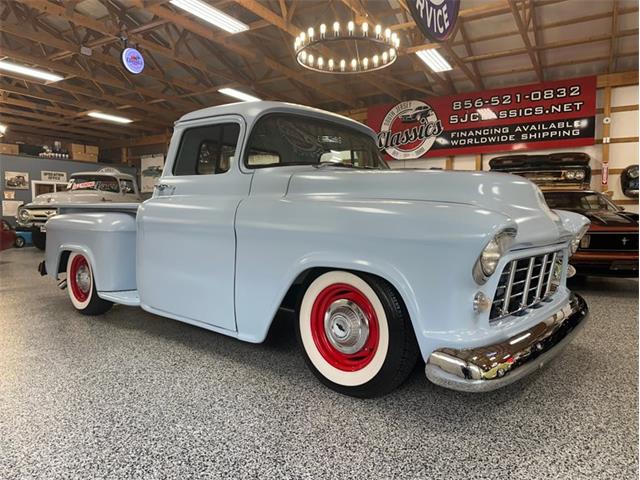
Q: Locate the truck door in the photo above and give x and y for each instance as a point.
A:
(186, 238)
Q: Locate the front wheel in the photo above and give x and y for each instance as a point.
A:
(19, 243)
(356, 334)
(81, 286)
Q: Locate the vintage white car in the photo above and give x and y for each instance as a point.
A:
(105, 185)
(264, 205)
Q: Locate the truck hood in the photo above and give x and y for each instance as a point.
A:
(51, 199)
(518, 199)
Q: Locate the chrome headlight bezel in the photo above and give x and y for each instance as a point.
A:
(488, 260)
(23, 214)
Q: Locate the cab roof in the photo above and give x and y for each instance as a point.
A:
(251, 111)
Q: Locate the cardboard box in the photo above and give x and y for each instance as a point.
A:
(9, 148)
(76, 149)
(85, 157)
(92, 149)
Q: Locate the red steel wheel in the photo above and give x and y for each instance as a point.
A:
(344, 327)
(81, 286)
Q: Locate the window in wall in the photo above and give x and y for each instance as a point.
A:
(207, 150)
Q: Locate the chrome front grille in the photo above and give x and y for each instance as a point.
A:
(524, 283)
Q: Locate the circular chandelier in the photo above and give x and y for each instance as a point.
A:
(364, 51)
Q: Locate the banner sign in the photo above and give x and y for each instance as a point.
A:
(556, 114)
(435, 18)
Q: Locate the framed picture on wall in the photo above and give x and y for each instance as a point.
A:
(150, 170)
(16, 180)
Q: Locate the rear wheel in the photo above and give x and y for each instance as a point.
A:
(356, 334)
(39, 239)
(81, 286)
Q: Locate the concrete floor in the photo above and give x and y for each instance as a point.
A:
(132, 395)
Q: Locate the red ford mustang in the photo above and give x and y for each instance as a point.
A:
(610, 247)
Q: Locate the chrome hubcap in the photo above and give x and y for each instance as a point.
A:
(346, 326)
(83, 279)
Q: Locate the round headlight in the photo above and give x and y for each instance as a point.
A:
(490, 257)
(570, 175)
(491, 254)
(579, 175)
(23, 214)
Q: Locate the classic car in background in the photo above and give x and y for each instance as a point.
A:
(549, 171)
(629, 181)
(7, 235)
(23, 238)
(105, 185)
(610, 247)
(465, 269)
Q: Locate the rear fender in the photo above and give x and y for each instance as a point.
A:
(107, 239)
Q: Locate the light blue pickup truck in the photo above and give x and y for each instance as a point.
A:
(265, 205)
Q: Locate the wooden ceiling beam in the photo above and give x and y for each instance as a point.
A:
(527, 41)
(10, 120)
(614, 32)
(41, 131)
(54, 121)
(378, 81)
(250, 54)
(72, 114)
(84, 105)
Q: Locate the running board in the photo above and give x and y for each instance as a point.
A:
(123, 297)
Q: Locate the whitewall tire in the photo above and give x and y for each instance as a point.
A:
(81, 286)
(355, 333)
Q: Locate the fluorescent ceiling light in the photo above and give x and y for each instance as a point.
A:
(212, 15)
(487, 114)
(3, 129)
(109, 118)
(434, 60)
(245, 97)
(28, 71)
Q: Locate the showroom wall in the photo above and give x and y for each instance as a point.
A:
(623, 148)
(34, 166)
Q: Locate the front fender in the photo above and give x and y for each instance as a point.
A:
(426, 250)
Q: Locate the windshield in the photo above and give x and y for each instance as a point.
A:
(580, 201)
(94, 182)
(281, 140)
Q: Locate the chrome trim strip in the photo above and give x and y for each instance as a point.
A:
(478, 370)
(551, 268)
(543, 268)
(507, 293)
(527, 283)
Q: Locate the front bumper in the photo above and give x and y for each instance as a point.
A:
(487, 368)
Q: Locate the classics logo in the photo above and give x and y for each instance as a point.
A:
(409, 130)
(132, 60)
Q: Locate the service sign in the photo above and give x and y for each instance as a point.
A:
(557, 114)
(132, 60)
(435, 18)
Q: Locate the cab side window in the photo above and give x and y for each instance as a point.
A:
(207, 150)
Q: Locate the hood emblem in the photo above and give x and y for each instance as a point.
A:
(624, 241)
